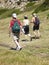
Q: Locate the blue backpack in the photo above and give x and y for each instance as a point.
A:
(16, 27)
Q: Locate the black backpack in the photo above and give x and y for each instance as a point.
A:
(37, 22)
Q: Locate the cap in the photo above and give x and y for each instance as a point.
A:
(34, 15)
(14, 15)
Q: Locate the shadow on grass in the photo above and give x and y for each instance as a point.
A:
(24, 40)
(35, 37)
(7, 46)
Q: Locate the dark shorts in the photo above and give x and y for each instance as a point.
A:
(35, 27)
(26, 29)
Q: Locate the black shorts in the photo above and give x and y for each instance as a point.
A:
(26, 29)
(35, 27)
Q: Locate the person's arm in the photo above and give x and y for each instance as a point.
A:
(23, 23)
(10, 28)
(21, 27)
(20, 24)
(33, 19)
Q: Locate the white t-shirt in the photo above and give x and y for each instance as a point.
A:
(25, 22)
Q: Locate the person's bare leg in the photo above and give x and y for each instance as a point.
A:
(30, 37)
(35, 33)
(16, 42)
(38, 33)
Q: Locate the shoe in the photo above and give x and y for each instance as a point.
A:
(20, 49)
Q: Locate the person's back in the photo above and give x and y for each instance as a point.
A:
(16, 27)
(26, 23)
(36, 22)
(15, 34)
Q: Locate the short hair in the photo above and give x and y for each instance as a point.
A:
(25, 17)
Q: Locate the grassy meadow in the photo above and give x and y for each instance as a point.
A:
(35, 52)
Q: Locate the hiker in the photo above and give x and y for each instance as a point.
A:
(14, 28)
(26, 23)
(36, 22)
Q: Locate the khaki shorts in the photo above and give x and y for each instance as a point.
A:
(16, 36)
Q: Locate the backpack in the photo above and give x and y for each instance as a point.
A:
(37, 22)
(16, 27)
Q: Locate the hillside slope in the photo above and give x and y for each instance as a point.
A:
(35, 52)
(42, 7)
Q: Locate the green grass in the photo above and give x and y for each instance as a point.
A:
(42, 7)
(35, 52)
(4, 13)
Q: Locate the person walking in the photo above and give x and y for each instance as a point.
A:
(26, 23)
(14, 28)
(36, 22)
